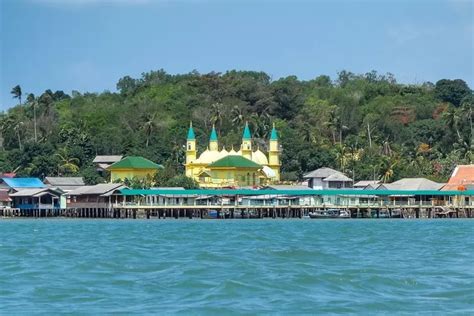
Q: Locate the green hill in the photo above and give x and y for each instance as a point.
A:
(365, 125)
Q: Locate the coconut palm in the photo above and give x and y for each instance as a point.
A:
(217, 115)
(18, 128)
(149, 127)
(16, 91)
(237, 116)
(452, 119)
(67, 164)
(30, 99)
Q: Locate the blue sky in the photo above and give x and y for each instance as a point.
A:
(87, 45)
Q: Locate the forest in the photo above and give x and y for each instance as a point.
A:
(366, 125)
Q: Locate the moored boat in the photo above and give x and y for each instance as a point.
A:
(330, 213)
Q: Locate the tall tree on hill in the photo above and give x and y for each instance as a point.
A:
(453, 91)
(16, 91)
(149, 127)
(30, 99)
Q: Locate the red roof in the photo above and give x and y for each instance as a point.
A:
(462, 176)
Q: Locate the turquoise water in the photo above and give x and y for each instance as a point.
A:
(237, 266)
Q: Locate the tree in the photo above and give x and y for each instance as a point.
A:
(32, 100)
(182, 181)
(149, 127)
(67, 164)
(452, 91)
(16, 91)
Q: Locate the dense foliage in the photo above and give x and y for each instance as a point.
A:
(368, 126)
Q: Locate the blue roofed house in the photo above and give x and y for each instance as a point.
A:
(31, 193)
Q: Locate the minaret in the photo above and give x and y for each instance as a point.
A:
(213, 145)
(247, 142)
(274, 153)
(190, 150)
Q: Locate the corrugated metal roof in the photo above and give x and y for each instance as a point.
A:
(107, 158)
(36, 192)
(364, 183)
(295, 192)
(97, 189)
(321, 173)
(338, 177)
(412, 184)
(64, 181)
(24, 182)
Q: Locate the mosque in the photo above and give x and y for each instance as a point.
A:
(216, 168)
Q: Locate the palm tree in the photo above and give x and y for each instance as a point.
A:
(149, 126)
(18, 128)
(66, 162)
(216, 115)
(237, 116)
(16, 91)
(31, 100)
(388, 167)
(333, 123)
(452, 119)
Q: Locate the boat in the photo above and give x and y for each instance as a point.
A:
(330, 213)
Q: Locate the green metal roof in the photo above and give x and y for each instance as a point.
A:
(213, 134)
(135, 162)
(246, 134)
(234, 161)
(191, 135)
(296, 192)
(274, 134)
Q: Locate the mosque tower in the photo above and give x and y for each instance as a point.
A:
(274, 153)
(213, 144)
(191, 152)
(246, 143)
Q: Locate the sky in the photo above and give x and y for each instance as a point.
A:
(88, 45)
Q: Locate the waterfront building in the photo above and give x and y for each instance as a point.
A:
(37, 198)
(5, 200)
(102, 195)
(461, 179)
(133, 167)
(65, 184)
(327, 178)
(216, 167)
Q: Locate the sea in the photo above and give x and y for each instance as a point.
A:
(235, 267)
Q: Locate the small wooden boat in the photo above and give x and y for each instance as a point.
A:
(330, 213)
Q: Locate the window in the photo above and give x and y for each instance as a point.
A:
(189, 146)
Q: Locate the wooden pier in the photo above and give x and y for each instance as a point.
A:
(239, 212)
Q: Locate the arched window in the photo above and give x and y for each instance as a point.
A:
(248, 178)
(189, 146)
(253, 179)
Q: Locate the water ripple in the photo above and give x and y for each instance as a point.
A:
(237, 267)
